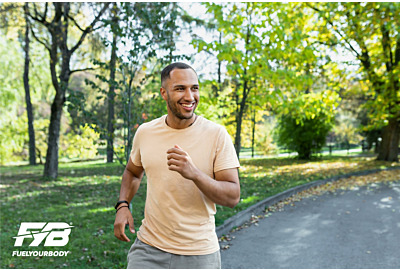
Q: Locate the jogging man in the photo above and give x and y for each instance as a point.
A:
(191, 165)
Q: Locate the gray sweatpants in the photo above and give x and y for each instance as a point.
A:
(143, 256)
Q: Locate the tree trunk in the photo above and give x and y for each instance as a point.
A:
(111, 95)
(253, 133)
(238, 131)
(60, 83)
(389, 148)
(128, 144)
(29, 110)
(219, 88)
(239, 119)
(51, 165)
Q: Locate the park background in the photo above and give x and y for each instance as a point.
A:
(306, 90)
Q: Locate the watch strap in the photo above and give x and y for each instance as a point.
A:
(119, 202)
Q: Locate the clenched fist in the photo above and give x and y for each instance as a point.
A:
(178, 160)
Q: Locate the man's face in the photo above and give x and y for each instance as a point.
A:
(181, 92)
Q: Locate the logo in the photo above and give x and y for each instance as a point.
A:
(50, 231)
(53, 234)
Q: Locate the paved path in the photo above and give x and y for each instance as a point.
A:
(349, 229)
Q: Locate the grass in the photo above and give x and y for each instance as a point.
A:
(85, 193)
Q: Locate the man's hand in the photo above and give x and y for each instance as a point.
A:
(123, 217)
(223, 190)
(180, 161)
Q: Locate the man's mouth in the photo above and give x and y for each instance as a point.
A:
(187, 106)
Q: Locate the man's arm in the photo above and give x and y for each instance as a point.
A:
(223, 190)
(129, 186)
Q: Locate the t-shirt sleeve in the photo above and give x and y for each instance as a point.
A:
(135, 152)
(225, 157)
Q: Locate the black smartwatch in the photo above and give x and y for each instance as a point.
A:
(119, 202)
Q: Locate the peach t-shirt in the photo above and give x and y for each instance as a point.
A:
(179, 218)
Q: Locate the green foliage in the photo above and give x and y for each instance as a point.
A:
(13, 135)
(260, 76)
(11, 84)
(81, 144)
(264, 136)
(306, 121)
(274, 55)
(305, 138)
(143, 41)
(370, 31)
(346, 130)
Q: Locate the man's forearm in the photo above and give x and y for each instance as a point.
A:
(224, 193)
(129, 186)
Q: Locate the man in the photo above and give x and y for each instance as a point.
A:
(191, 165)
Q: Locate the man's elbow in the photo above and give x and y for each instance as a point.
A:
(233, 201)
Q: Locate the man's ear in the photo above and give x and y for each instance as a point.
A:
(163, 92)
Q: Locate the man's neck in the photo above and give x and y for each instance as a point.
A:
(177, 123)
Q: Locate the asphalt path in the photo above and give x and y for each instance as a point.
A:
(347, 229)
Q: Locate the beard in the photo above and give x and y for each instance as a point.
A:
(175, 111)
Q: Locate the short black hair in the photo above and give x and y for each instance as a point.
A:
(167, 70)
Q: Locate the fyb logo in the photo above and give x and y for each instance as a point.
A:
(56, 233)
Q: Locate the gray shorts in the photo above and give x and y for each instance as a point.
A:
(143, 256)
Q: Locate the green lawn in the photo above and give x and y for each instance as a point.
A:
(85, 193)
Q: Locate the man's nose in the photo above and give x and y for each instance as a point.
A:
(188, 95)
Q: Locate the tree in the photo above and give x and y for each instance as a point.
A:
(112, 83)
(11, 18)
(61, 54)
(239, 47)
(267, 52)
(15, 138)
(29, 110)
(307, 138)
(147, 42)
(371, 32)
(151, 43)
(304, 126)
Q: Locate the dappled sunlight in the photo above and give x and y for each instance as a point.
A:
(80, 204)
(101, 210)
(325, 168)
(250, 199)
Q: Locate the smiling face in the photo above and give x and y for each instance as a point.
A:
(181, 92)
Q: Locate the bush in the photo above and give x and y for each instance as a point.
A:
(306, 137)
(81, 144)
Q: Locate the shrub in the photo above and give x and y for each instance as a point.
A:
(304, 138)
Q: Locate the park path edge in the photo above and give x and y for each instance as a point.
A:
(258, 208)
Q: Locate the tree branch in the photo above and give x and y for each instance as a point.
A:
(333, 44)
(75, 22)
(97, 28)
(57, 12)
(397, 51)
(36, 13)
(89, 28)
(333, 27)
(45, 11)
(33, 17)
(38, 40)
(80, 70)
(42, 19)
(387, 50)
